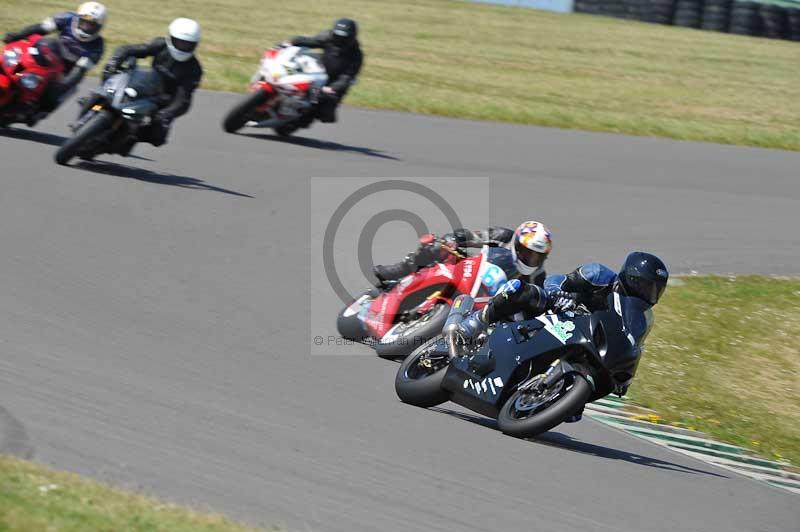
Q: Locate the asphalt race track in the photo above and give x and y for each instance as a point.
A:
(155, 331)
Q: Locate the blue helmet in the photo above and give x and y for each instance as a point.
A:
(643, 275)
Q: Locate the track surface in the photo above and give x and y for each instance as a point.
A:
(155, 327)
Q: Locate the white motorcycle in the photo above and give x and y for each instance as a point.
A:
(283, 93)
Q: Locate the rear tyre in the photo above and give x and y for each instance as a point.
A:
(409, 336)
(73, 145)
(419, 379)
(527, 414)
(243, 111)
(286, 129)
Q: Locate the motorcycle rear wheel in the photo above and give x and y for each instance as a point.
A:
(73, 145)
(287, 129)
(418, 385)
(244, 111)
(568, 401)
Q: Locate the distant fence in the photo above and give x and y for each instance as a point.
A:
(776, 19)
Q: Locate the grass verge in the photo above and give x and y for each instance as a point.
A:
(34, 497)
(723, 358)
(518, 65)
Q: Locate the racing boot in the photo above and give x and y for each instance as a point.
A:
(389, 273)
(327, 115)
(471, 328)
(326, 109)
(428, 252)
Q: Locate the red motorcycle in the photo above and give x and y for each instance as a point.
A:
(282, 92)
(27, 67)
(397, 320)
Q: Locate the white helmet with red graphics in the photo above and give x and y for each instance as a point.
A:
(87, 25)
(530, 246)
(182, 38)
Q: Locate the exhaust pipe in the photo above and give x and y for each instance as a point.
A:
(462, 307)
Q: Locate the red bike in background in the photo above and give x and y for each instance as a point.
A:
(282, 93)
(400, 318)
(26, 68)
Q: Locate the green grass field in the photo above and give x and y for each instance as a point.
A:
(723, 358)
(496, 63)
(36, 498)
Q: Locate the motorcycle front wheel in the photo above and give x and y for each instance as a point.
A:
(73, 145)
(348, 322)
(405, 337)
(244, 111)
(419, 379)
(534, 411)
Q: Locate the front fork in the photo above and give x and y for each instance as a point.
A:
(89, 107)
(557, 371)
(269, 90)
(86, 104)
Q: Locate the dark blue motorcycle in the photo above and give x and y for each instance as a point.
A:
(534, 374)
(121, 105)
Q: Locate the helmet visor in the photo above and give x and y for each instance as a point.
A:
(341, 37)
(88, 25)
(645, 289)
(183, 46)
(529, 257)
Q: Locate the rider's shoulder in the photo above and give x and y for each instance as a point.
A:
(62, 20)
(502, 257)
(554, 282)
(597, 274)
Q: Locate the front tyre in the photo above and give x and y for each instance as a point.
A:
(534, 411)
(405, 337)
(419, 379)
(92, 128)
(349, 323)
(244, 111)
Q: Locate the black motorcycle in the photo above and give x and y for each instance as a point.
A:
(530, 375)
(123, 103)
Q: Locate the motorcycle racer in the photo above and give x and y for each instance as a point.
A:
(520, 253)
(174, 59)
(342, 58)
(81, 49)
(643, 275)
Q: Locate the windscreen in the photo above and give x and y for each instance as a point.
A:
(146, 82)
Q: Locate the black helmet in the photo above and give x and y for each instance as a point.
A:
(643, 275)
(344, 31)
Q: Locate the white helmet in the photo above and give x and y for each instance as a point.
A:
(182, 39)
(87, 25)
(531, 246)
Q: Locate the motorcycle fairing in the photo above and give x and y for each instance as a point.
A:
(468, 276)
(525, 347)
